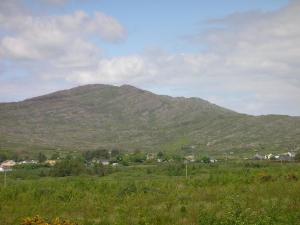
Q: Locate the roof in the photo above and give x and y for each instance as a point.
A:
(8, 163)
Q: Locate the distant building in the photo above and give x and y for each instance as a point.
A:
(190, 158)
(151, 156)
(213, 160)
(288, 156)
(269, 156)
(50, 162)
(291, 154)
(258, 157)
(28, 162)
(115, 164)
(104, 162)
(8, 164)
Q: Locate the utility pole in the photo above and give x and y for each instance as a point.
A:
(186, 169)
(4, 178)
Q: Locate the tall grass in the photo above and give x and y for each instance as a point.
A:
(229, 194)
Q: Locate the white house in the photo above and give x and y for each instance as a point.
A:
(269, 156)
(213, 160)
(50, 162)
(8, 164)
(105, 162)
(151, 156)
(258, 157)
(190, 158)
(288, 156)
(28, 162)
(159, 160)
(291, 154)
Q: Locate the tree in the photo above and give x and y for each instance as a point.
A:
(297, 156)
(55, 156)
(16, 157)
(88, 155)
(3, 157)
(206, 159)
(69, 167)
(101, 154)
(160, 155)
(115, 152)
(138, 157)
(41, 157)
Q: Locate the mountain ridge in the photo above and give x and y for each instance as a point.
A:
(98, 115)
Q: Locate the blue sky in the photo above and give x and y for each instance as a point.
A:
(234, 53)
(166, 23)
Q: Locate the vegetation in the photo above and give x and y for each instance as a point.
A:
(103, 116)
(37, 220)
(221, 193)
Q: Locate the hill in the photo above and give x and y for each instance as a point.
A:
(93, 116)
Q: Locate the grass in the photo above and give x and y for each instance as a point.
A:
(227, 194)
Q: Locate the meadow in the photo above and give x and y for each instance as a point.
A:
(231, 193)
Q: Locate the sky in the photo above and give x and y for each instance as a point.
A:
(242, 55)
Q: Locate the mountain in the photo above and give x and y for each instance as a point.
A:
(93, 116)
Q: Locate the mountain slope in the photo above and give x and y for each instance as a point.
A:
(95, 116)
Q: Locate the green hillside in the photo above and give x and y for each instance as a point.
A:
(93, 116)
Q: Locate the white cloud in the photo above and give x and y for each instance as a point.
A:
(250, 65)
(29, 37)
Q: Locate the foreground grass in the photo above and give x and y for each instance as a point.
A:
(223, 194)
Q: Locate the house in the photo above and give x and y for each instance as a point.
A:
(213, 160)
(258, 157)
(269, 156)
(288, 156)
(115, 164)
(151, 156)
(50, 162)
(104, 162)
(190, 158)
(96, 161)
(159, 160)
(28, 162)
(8, 164)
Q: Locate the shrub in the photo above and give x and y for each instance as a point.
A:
(264, 177)
(205, 159)
(68, 167)
(41, 157)
(291, 177)
(37, 220)
(297, 156)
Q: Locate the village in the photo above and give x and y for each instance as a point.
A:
(107, 158)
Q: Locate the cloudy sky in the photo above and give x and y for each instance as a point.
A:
(243, 55)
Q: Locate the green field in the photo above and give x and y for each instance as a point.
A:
(224, 193)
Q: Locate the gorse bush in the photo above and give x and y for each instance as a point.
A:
(37, 220)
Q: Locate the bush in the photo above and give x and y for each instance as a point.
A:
(297, 156)
(68, 167)
(291, 177)
(264, 177)
(205, 159)
(37, 220)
